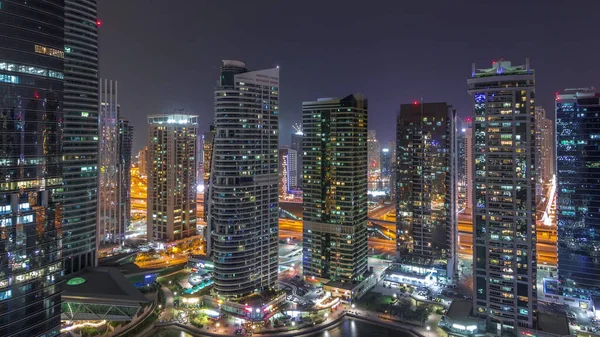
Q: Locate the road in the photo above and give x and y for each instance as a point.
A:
(380, 212)
(292, 229)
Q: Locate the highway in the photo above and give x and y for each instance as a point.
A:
(381, 215)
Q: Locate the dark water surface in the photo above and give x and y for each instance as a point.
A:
(348, 328)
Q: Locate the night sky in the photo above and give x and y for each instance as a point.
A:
(166, 54)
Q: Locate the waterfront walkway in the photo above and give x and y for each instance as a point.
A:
(333, 320)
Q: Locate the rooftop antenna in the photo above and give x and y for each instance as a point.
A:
(298, 128)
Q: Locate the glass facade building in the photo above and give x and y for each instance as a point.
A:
(335, 188)
(297, 145)
(109, 228)
(125, 152)
(288, 170)
(504, 207)
(80, 134)
(426, 191)
(578, 191)
(244, 204)
(31, 123)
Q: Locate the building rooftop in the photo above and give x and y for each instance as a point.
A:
(348, 285)
(502, 67)
(101, 285)
(460, 310)
(555, 324)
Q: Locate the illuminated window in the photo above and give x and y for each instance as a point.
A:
(9, 79)
(49, 51)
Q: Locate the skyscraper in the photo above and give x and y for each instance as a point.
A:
(461, 166)
(244, 205)
(208, 139)
(125, 145)
(80, 134)
(504, 253)
(335, 189)
(373, 153)
(297, 145)
(469, 162)
(426, 192)
(386, 162)
(544, 155)
(109, 228)
(207, 151)
(31, 210)
(143, 161)
(288, 175)
(172, 144)
(577, 171)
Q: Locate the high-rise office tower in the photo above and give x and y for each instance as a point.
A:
(297, 145)
(335, 188)
(31, 210)
(172, 187)
(544, 156)
(109, 229)
(469, 162)
(386, 162)
(504, 240)
(143, 161)
(577, 172)
(125, 145)
(426, 191)
(80, 134)
(393, 148)
(461, 166)
(288, 177)
(244, 205)
(373, 153)
(207, 151)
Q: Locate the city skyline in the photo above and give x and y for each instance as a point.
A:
(386, 74)
(270, 194)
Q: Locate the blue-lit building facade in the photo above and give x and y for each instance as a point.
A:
(31, 122)
(578, 191)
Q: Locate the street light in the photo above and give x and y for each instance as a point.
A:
(428, 329)
(353, 306)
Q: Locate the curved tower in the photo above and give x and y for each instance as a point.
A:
(80, 142)
(243, 206)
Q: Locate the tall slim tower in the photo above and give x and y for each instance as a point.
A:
(577, 172)
(504, 252)
(109, 229)
(80, 134)
(125, 146)
(426, 191)
(469, 162)
(288, 177)
(374, 153)
(172, 143)
(335, 191)
(461, 165)
(143, 161)
(297, 145)
(31, 124)
(244, 205)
